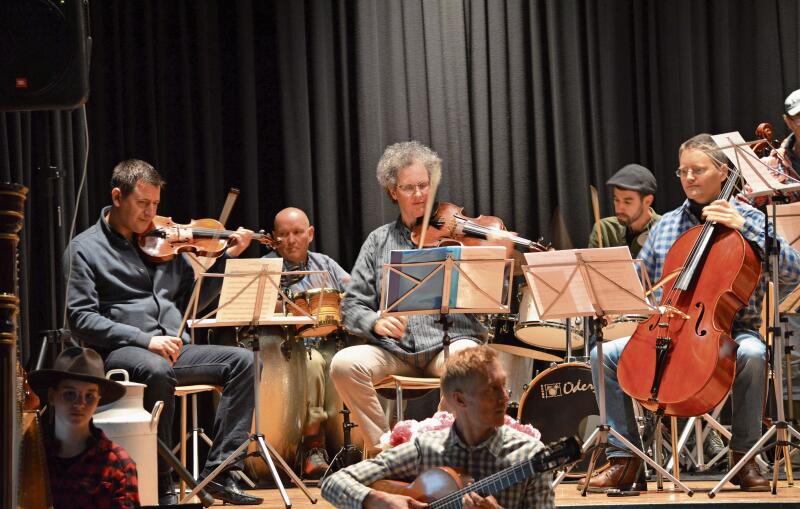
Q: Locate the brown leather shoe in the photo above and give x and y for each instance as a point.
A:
(622, 474)
(749, 478)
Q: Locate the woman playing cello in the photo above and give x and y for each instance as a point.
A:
(703, 171)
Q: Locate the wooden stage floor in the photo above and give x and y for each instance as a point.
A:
(567, 496)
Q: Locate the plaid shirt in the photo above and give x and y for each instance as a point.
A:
(507, 447)
(423, 338)
(102, 477)
(676, 222)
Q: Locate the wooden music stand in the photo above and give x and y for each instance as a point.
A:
(761, 179)
(593, 282)
(426, 287)
(265, 281)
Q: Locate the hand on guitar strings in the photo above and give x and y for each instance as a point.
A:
(380, 500)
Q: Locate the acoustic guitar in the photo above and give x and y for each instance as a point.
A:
(445, 487)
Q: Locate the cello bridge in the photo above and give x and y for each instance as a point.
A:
(672, 311)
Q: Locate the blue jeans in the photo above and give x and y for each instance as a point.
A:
(747, 395)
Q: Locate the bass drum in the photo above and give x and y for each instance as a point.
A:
(282, 398)
(560, 402)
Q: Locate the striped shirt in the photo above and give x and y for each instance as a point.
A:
(422, 340)
(337, 276)
(675, 222)
(507, 447)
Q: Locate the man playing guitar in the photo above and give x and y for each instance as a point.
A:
(473, 386)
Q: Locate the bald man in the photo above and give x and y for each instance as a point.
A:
(292, 226)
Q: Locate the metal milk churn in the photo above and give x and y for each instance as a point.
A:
(127, 423)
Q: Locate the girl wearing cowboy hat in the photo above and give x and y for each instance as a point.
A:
(86, 468)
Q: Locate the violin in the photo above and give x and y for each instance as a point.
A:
(449, 226)
(681, 361)
(203, 237)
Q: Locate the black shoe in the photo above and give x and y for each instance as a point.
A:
(166, 490)
(228, 491)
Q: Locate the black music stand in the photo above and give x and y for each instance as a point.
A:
(264, 278)
(760, 178)
(592, 282)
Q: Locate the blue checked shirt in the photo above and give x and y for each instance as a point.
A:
(423, 338)
(507, 447)
(676, 222)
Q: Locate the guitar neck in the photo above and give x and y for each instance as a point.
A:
(490, 485)
(556, 455)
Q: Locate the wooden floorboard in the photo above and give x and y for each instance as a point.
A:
(568, 496)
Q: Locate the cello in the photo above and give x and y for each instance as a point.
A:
(681, 361)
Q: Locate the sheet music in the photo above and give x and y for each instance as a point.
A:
(236, 306)
(787, 222)
(560, 289)
(755, 172)
(484, 275)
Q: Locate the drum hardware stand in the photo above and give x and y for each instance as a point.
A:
(348, 454)
(780, 428)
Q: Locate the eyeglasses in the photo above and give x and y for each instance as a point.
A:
(684, 172)
(411, 188)
(70, 396)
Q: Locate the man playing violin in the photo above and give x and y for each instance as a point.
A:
(294, 234)
(129, 310)
(634, 187)
(703, 171)
(412, 345)
(474, 387)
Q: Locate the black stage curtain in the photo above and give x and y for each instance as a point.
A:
(293, 101)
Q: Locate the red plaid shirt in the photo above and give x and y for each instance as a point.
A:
(103, 477)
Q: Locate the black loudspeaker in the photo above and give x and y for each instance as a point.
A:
(44, 54)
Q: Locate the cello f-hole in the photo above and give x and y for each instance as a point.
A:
(699, 331)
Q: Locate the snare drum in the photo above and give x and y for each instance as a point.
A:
(622, 326)
(502, 338)
(325, 300)
(549, 334)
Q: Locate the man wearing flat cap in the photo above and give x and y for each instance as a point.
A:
(86, 469)
(634, 187)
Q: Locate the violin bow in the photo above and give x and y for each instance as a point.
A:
(596, 211)
(435, 178)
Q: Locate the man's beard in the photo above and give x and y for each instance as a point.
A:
(626, 220)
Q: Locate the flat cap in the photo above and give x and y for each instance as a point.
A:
(634, 177)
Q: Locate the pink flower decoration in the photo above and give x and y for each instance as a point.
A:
(405, 431)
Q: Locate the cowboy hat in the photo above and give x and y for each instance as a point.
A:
(77, 363)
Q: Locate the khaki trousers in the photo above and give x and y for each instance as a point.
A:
(355, 369)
